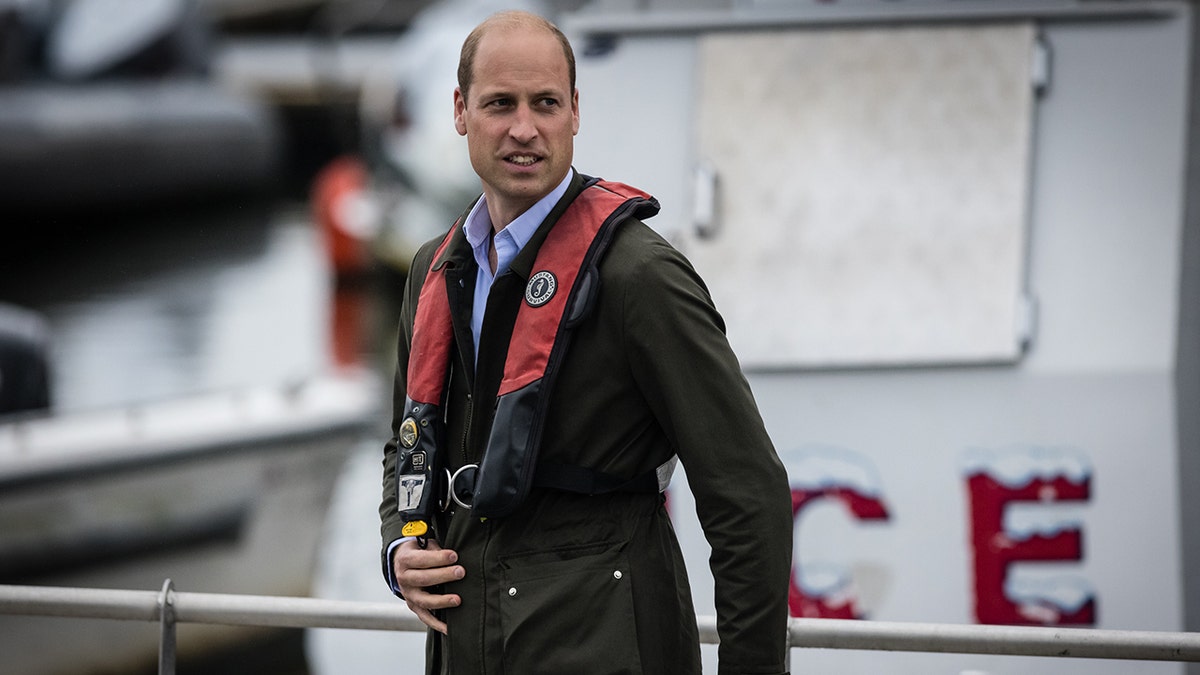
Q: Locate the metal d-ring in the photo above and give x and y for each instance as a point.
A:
(444, 503)
(454, 478)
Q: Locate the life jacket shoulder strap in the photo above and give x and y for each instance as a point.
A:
(560, 291)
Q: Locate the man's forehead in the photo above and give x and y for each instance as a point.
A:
(518, 57)
(518, 88)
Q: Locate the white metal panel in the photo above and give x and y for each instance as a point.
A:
(872, 190)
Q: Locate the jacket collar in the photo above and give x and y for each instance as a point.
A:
(458, 254)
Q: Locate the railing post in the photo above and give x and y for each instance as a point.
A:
(166, 623)
(787, 653)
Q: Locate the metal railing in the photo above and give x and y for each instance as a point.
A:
(169, 607)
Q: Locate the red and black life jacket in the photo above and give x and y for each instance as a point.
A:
(558, 295)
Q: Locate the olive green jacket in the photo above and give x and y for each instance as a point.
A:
(572, 584)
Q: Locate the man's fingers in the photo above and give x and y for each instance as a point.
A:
(424, 567)
(423, 604)
(423, 578)
(428, 618)
(418, 569)
(410, 556)
(431, 601)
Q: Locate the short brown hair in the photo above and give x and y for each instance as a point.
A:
(509, 19)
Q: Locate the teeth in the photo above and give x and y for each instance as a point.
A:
(523, 160)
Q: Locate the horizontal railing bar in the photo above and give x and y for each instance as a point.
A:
(95, 603)
(1092, 643)
(254, 610)
(213, 608)
(291, 612)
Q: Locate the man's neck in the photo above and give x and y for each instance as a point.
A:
(502, 215)
(504, 211)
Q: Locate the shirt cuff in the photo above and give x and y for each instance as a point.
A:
(389, 572)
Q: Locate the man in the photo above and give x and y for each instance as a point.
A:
(555, 553)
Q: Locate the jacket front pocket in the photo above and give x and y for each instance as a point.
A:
(570, 615)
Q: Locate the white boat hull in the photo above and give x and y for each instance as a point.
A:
(213, 512)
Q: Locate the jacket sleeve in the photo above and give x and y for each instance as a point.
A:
(389, 516)
(683, 364)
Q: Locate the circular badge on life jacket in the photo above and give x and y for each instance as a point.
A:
(540, 288)
(409, 433)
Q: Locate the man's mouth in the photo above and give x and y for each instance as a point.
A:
(523, 160)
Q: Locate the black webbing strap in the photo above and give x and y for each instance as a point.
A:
(590, 482)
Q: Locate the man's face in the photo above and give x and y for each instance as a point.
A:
(520, 118)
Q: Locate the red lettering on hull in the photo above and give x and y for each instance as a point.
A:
(836, 605)
(995, 551)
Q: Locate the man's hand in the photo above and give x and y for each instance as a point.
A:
(417, 569)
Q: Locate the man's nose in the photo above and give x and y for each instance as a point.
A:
(523, 129)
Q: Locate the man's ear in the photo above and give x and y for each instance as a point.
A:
(460, 108)
(575, 112)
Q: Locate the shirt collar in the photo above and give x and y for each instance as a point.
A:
(478, 224)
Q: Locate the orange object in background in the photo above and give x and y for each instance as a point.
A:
(336, 199)
(336, 190)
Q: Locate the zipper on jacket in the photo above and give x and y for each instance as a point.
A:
(483, 599)
(467, 427)
(470, 412)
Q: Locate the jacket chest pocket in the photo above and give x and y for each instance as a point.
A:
(569, 611)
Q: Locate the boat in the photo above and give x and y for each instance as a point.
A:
(190, 425)
(222, 492)
(24, 346)
(220, 482)
(199, 444)
(112, 105)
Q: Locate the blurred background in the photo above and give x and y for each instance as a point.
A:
(955, 243)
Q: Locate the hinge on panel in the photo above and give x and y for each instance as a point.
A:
(1026, 321)
(1040, 71)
